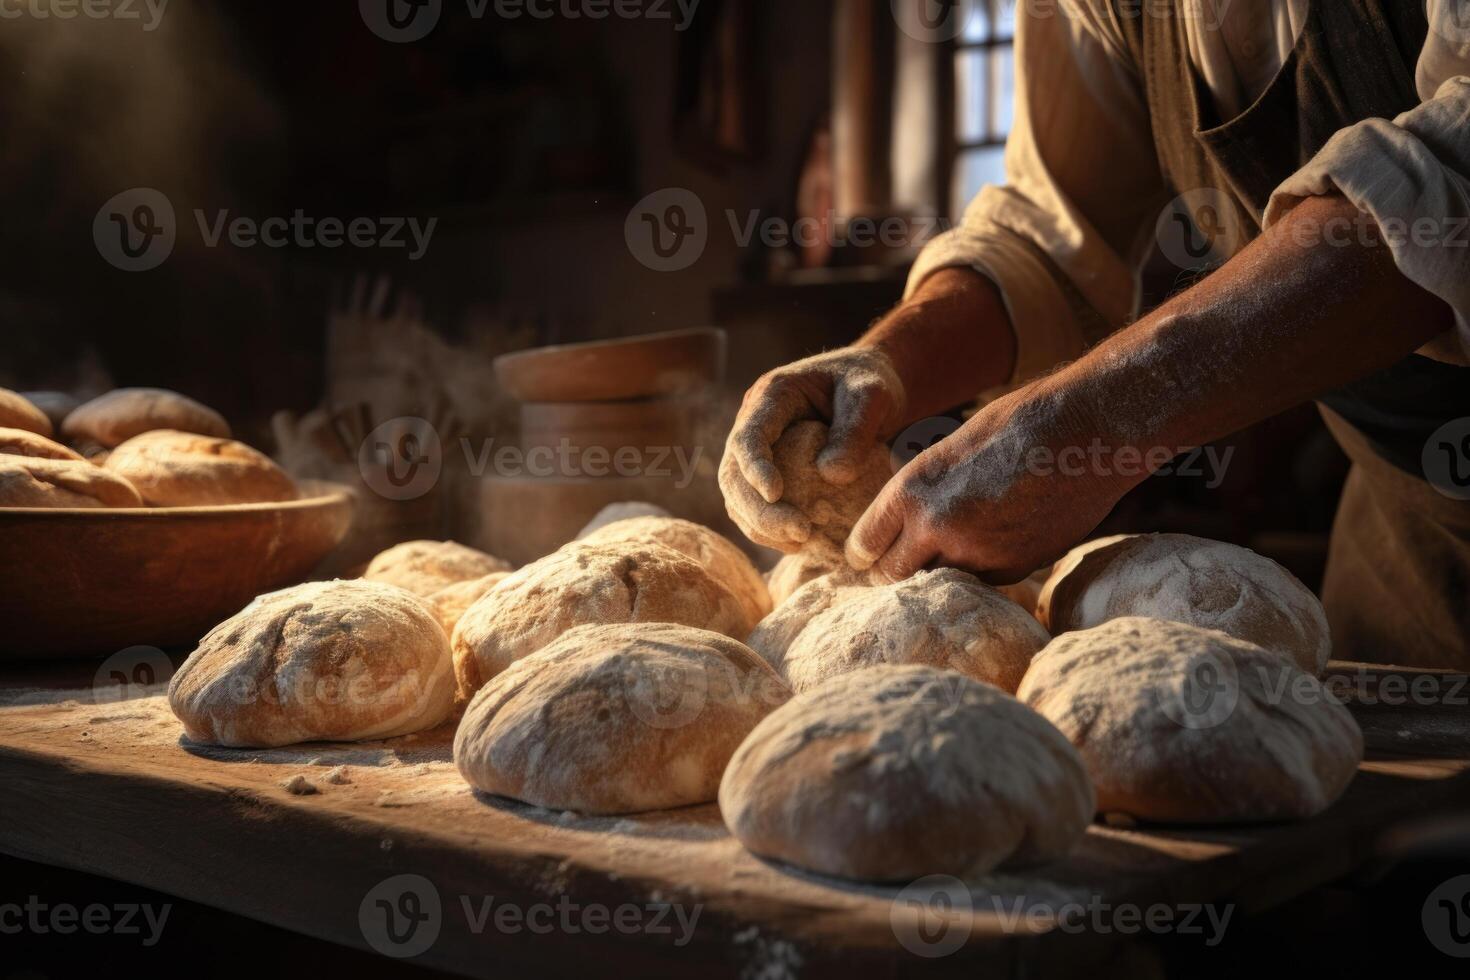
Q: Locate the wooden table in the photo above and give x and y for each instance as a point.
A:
(109, 788)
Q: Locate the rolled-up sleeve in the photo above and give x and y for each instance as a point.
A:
(1062, 238)
(1411, 174)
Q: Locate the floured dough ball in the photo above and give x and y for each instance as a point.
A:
(616, 719)
(427, 567)
(586, 584)
(1189, 580)
(55, 405)
(453, 601)
(112, 419)
(17, 413)
(946, 618)
(181, 469)
(714, 552)
(29, 481)
(794, 571)
(894, 773)
(832, 510)
(322, 662)
(21, 442)
(622, 511)
(1180, 724)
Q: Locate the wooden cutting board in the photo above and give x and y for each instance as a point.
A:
(109, 788)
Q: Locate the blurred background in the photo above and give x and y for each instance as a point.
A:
(530, 148)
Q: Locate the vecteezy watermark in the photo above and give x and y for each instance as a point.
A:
(404, 459)
(148, 13)
(64, 919)
(669, 230)
(1446, 459)
(132, 673)
(919, 438)
(1446, 917)
(668, 696)
(1364, 230)
(1450, 19)
(933, 916)
(406, 21)
(1200, 229)
(1099, 459)
(942, 21)
(1204, 695)
(402, 917)
(138, 229)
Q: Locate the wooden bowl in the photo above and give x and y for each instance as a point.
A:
(652, 366)
(77, 582)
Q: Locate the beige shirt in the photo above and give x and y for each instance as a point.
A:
(1083, 183)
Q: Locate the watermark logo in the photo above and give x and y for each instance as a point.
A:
(136, 230)
(931, 21)
(1200, 229)
(919, 438)
(1446, 917)
(1206, 694)
(933, 916)
(401, 916)
(401, 21)
(132, 673)
(665, 696)
(668, 230)
(41, 918)
(402, 459)
(91, 9)
(1447, 459)
(1450, 19)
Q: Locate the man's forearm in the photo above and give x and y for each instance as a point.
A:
(948, 342)
(1287, 320)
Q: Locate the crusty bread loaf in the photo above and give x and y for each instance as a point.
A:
(17, 413)
(427, 567)
(326, 661)
(22, 442)
(453, 601)
(181, 469)
(832, 510)
(1182, 724)
(621, 511)
(795, 570)
(30, 481)
(945, 618)
(616, 719)
(1188, 580)
(893, 773)
(587, 584)
(112, 419)
(717, 554)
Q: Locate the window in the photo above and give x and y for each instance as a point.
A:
(985, 93)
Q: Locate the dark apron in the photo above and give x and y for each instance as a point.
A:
(1398, 579)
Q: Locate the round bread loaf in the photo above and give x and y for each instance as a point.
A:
(112, 419)
(832, 510)
(21, 442)
(713, 551)
(621, 511)
(1188, 580)
(30, 481)
(945, 618)
(325, 661)
(587, 584)
(181, 469)
(17, 413)
(453, 601)
(893, 773)
(427, 567)
(775, 634)
(794, 571)
(616, 719)
(1180, 724)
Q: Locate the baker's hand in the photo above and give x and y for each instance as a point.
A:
(991, 498)
(854, 390)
